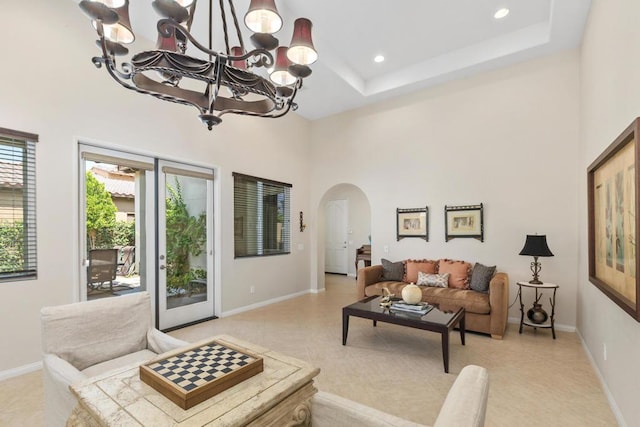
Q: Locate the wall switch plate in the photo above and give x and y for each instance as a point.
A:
(252, 290)
(301, 246)
(604, 351)
(386, 249)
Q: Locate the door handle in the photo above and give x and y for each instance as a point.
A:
(162, 267)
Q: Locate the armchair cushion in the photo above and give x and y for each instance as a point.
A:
(137, 358)
(85, 334)
(160, 342)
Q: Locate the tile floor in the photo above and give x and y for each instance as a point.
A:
(534, 380)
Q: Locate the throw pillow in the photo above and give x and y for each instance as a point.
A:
(459, 272)
(481, 276)
(392, 271)
(435, 280)
(413, 266)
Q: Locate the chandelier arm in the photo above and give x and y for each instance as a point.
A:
(255, 52)
(235, 22)
(281, 111)
(110, 62)
(187, 34)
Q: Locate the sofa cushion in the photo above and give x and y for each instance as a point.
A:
(438, 280)
(450, 299)
(392, 270)
(459, 272)
(481, 276)
(413, 266)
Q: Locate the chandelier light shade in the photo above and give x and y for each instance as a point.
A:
(233, 80)
(263, 17)
(280, 74)
(536, 246)
(238, 51)
(301, 50)
(120, 30)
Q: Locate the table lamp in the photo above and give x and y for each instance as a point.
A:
(536, 246)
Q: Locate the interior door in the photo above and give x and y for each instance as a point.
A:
(185, 244)
(336, 237)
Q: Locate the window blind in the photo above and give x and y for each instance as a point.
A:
(18, 255)
(262, 220)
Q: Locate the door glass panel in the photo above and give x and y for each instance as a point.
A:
(186, 240)
(115, 216)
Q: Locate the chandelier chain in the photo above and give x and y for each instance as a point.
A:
(235, 22)
(224, 27)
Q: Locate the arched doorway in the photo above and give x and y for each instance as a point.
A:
(344, 225)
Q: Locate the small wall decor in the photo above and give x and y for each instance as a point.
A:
(464, 221)
(613, 221)
(412, 223)
(302, 224)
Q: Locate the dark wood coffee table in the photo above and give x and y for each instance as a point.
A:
(434, 321)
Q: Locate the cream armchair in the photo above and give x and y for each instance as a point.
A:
(85, 339)
(464, 406)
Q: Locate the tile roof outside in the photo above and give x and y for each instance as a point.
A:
(10, 175)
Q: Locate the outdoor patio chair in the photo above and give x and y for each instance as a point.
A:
(103, 264)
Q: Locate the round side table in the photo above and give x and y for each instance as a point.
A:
(550, 322)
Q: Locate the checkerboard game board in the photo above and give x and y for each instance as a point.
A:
(194, 370)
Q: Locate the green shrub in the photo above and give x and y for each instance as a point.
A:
(11, 246)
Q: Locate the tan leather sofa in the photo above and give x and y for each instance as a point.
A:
(485, 312)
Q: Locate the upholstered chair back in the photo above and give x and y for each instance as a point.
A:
(87, 333)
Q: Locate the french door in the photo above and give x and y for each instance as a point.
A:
(185, 243)
(147, 225)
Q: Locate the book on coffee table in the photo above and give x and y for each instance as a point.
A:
(421, 308)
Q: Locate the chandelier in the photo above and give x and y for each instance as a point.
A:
(216, 83)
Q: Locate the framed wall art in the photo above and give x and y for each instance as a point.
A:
(613, 225)
(412, 223)
(464, 221)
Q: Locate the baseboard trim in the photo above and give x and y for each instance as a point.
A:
(558, 326)
(263, 303)
(605, 387)
(20, 370)
(317, 291)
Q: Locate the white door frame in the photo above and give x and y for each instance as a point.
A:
(169, 318)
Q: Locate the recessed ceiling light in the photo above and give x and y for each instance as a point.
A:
(379, 58)
(501, 13)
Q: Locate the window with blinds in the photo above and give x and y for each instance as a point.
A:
(262, 224)
(18, 257)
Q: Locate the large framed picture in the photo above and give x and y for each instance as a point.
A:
(613, 222)
(412, 223)
(464, 221)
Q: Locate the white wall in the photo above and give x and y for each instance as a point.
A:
(507, 139)
(610, 85)
(49, 86)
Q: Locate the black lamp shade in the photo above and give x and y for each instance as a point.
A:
(536, 246)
